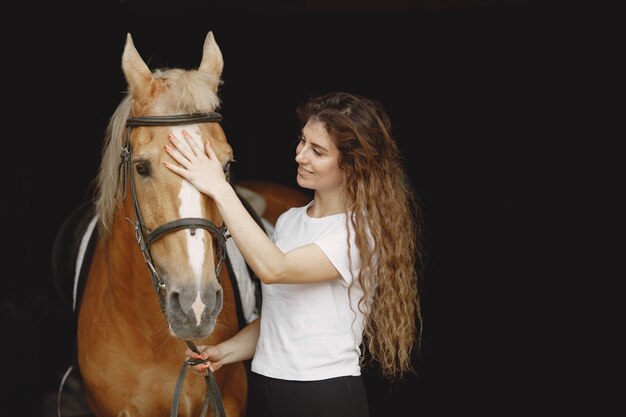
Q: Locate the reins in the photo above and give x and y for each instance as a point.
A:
(146, 237)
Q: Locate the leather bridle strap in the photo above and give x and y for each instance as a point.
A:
(144, 236)
(212, 396)
(193, 223)
(177, 119)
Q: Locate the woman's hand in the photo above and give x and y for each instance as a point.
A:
(202, 169)
(210, 353)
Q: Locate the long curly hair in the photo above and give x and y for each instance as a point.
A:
(385, 215)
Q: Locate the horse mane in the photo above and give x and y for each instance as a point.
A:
(189, 91)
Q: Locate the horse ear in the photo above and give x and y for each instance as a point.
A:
(212, 61)
(138, 75)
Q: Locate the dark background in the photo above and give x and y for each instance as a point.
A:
(466, 84)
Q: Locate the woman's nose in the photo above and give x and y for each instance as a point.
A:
(300, 156)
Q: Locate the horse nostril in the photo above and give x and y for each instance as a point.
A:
(219, 301)
(174, 300)
(219, 294)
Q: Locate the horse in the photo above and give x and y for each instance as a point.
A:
(148, 253)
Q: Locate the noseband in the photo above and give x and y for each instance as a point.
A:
(146, 237)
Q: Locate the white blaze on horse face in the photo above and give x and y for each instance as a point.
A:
(190, 206)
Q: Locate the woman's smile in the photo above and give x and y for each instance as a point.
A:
(302, 171)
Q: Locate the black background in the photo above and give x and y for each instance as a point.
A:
(465, 84)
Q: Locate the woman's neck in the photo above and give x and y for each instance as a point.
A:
(326, 205)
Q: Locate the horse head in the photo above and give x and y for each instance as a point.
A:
(178, 229)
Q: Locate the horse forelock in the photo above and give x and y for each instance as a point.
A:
(189, 91)
(184, 92)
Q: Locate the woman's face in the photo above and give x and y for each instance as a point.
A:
(318, 159)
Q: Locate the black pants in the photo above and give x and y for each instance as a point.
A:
(335, 397)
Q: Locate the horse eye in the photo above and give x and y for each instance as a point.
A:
(143, 168)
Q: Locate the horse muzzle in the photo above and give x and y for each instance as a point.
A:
(192, 314)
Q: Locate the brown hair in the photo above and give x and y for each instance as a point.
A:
(384, 213)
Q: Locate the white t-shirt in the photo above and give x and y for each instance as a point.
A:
(312, 331)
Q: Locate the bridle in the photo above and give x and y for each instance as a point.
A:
(146, 237)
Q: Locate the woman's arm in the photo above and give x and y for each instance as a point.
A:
(306, 264)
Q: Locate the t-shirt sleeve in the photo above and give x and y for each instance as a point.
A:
(335, 247)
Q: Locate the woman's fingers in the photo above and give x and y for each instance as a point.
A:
(185, 148)
(188, 149)
(193, 355)
(201, 369)
(178, 152)
(209, 150)
(193, 146)
(177, 157)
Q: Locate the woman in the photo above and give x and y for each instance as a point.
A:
(339, 277)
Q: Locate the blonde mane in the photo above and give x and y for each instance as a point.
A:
(188, 91)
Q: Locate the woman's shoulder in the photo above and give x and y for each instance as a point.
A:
(292, 213)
